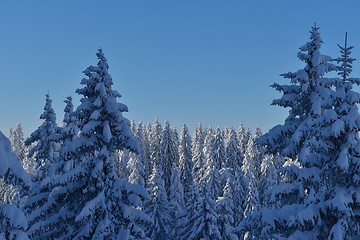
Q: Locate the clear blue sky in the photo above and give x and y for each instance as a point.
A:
(183, 61)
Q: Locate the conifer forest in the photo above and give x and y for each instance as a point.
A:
(97, 175)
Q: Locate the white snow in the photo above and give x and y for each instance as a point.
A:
(106, 131)
(9, 160)
(343, 160)
(90, 206)
(16, 217)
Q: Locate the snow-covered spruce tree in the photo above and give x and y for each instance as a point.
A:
(175, 137)
(303, 137)
(68, 111)
(204, 217)
(154, 142)
(232, 150)
(100, 205)
(136, 169)
(239, 195)
(168, 154)
(219, 149)
(191, 213)
(14, 187)
(340, 205)
(12, 219)
(199, 136)
(269, 177)
(45, 209)
(306, 97)
(193, 203)
(157, 207)
(252, 200)
(10, 192)
(144, 148)
(257, 133)
(45, 150)
(67, 133)
(251, 170)
(17, 142)
(243, 136)
(211, 170)
(44, 155)
(147, 132)
(198, 157)
(185, 159)
(252, 161)
(208, 136)
(110, 207)
(121, 164)
(176, 201)
(225, 211)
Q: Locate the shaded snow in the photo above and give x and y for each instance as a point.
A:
(9, 161)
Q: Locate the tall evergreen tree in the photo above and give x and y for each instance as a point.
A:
(225, 210)
(257, 132)
(158, 207)
(45, 155)
(17, 143)
(176, 140)
(211, 171)
(155, 145)
(232, 150)
(185, 159)
(239, 195)
(268, 177)
(244, 135)
(176, 201)
(121, 164)
(219, 149)
(144, 148)
(251, 169)
(191, 216)
(45, 150)
(169, 153)
(136, 169)
(204, 218)
(306, 97)
(198, 157)
(242, 139)
(339, 211)
(208, 137)
(108, 207)
(67, 133)
(12, 219)
(304, 136)
(103, 131)
(199, 136)
(42, 206)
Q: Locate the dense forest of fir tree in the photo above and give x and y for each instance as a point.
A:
(99, 176)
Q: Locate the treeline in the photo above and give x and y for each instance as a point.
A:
(215, 172)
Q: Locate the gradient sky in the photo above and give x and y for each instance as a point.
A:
(184, 61)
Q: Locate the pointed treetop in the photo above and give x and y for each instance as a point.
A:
(345, 68)
(69, 105)
(102, 59)
(48, 113)
(345, 39)
(315, 37)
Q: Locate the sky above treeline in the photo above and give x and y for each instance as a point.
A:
(183, 61)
